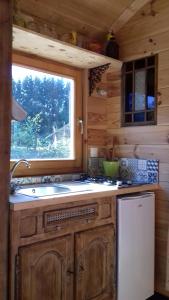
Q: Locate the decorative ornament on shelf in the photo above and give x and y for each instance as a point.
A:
(95, 75)
(17, 15)
(112, 48)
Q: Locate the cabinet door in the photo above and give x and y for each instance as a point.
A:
(94, 260)
(46, 270)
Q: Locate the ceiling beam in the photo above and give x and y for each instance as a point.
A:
(128, 13)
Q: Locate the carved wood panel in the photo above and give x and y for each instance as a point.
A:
(95, 264)
(46, 270)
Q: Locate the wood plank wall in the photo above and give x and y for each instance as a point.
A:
(145, 34)
(5, 117)
(104, 112)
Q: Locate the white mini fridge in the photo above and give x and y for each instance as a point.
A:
(135, 246)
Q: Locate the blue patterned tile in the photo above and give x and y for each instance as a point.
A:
(139, 170)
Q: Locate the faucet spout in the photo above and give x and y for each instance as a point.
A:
(21, 161)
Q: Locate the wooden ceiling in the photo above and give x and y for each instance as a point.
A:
(93, 18)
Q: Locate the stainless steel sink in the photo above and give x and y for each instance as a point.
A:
(40, 191)
(51, 189)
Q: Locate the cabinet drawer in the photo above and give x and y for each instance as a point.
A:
(61, 218)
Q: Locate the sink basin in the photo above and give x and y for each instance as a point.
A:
(51, 189)
(41, 191)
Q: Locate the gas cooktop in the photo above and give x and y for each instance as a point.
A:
(108, 181)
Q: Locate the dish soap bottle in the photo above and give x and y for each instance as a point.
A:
(112, 48)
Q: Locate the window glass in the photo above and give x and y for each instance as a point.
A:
(129, 66)
(139, 64)
(150, 89)
(151, 60)
(128, 118)
(140, 96)
(48, 130)
(139, 117)
(150, 116)
(128, 92)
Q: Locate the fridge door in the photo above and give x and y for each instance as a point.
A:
(135, 274)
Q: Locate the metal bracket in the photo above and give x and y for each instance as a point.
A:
(95, 75)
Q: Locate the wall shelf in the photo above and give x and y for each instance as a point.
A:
(35, 43)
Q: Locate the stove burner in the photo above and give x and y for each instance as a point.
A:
(107, 181)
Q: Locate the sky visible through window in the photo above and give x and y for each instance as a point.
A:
(47, 132)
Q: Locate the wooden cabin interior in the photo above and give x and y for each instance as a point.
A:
(39, 33)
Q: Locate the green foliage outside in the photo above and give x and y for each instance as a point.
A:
(45, 133)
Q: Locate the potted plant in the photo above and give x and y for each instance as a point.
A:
(111, 164)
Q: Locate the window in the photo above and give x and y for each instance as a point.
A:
(139, 92)
(50, 135)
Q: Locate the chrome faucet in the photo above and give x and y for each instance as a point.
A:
(24, 161)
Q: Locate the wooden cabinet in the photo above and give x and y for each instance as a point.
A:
(95, 264)
(46, 270)
(64, 252)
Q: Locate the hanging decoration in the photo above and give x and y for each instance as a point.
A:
(95, 75)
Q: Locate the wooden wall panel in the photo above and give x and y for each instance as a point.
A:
(163, 97)
(137, 135)
(160, 152)
(97, 118)
(145, 46)
(90, 18)
(145, 34)
(96, 137)
(163, 77)
(163, 115)
(5, 118)
(103, 112)
(153, 21)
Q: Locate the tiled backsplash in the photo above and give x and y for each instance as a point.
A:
(46, 179)
(139, 170)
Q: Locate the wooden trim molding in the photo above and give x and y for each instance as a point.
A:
(127, 14)
(49, 167)
(5, 120)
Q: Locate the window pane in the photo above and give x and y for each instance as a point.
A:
(47, 132)
(150, 88)
(151, 61)
(139, 117)
(128, 92)
(129, 66)
(139, 64)
(128, 118)
(140, 90)
(150, 116)
(150, 102)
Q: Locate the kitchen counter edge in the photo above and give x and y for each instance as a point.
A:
(25, 202)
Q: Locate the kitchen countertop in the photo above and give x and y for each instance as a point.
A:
(22, 202)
